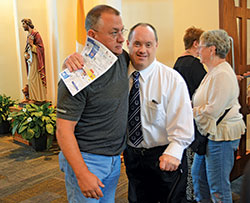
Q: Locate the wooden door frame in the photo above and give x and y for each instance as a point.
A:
(228, 15)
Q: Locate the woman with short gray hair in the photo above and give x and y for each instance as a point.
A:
(218, 93)
(219, 39)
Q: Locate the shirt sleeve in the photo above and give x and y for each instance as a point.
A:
(180, 127)
(69, 107)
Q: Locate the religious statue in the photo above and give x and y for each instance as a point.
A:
(34, 55)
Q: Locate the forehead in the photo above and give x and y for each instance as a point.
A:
(143, 33)
(110, 20)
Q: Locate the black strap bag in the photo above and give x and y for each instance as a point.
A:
(199, 145)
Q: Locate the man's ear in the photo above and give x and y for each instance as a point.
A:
(127, 43)
(91, 33)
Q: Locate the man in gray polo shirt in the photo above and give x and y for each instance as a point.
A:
(91, 126)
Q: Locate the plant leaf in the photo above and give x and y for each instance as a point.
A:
(50, 129)
(37, 135)
(25, 122)
(22, 128)
(45, 106)
(30, 134)
(37, 114)
(49, 141)
(34, 106)
(14, 129)
(36, 128)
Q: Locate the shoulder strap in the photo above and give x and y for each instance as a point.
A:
(220, 119)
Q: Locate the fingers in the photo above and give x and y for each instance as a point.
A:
(96, 192)
(91, 194)
(239, 77)
(73, 62)
(70, 65)
(168, 166)
(99, 193)
(100, 183)
(168, 163)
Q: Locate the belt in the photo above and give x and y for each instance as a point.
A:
(145, 151)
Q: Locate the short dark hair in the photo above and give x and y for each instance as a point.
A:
(192, 34)
(28, 22)
(143, 25)
(94, 15)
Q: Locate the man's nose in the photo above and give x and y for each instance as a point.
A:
(142, 49)
(120, 38)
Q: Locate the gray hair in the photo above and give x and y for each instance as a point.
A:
(219, 39)
(95, 13)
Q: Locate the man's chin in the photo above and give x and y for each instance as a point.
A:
(139, 66)
(118, 51)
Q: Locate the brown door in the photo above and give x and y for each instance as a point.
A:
(235, 19)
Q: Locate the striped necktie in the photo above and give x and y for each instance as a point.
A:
(134, 114)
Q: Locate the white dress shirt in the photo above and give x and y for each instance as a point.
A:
(219, 90)
(166, 112)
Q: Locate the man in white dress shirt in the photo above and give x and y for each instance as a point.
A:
(154, 165)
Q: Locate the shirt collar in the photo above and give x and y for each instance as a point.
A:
(143, 73)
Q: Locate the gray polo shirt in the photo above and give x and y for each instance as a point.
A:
(100, 110)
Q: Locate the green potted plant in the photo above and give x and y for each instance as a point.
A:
(5, 104)
(36, 124)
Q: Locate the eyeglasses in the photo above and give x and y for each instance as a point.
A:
(115, 34)
(200, 46)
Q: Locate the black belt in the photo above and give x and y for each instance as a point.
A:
(145, 151)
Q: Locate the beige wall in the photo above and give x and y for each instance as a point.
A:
(55, 20)
(66, 13)
(171, 18)
(199, 13)
(9, 68)
(160, 14)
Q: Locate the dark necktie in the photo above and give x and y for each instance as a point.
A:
(134, 113)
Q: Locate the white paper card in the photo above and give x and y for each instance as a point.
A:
(97, 60)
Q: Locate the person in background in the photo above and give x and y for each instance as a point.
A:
(217, 92)
(91, 126)
(160, 113)
(188, 65)
(192, 70)
(35, 63)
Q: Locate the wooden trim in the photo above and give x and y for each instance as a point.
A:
(228, 14)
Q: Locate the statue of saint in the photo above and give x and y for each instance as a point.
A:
(36, 88)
